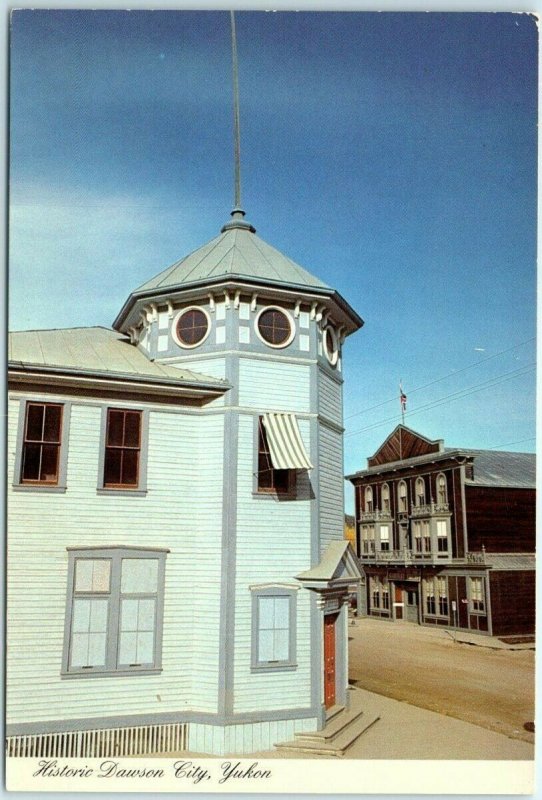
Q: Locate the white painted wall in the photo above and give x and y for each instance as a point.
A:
(185, 454)
(274, 385)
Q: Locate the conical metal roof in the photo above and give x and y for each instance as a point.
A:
(236, 251)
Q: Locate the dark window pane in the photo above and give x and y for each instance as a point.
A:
(131, 429)
(49, 462)
(115, 427)
(112, 467)
(130, 460)
(34, 422)
(281, 477)
(51, 429)
(274, 326)
(192, 327)
(31, 462)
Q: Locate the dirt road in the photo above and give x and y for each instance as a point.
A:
(490, 688)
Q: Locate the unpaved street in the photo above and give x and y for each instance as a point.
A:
(425, 667)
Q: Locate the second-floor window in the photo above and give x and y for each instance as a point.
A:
(41, 444)
(122, 448)
(369, 499)
(422, 536)
(367, 539)
(278, 481)
(442, 536)
(384, 537)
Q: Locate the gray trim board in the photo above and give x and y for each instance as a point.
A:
(81, 724)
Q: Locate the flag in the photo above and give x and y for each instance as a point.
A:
(402, 397)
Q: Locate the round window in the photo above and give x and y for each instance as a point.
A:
(191, 327)
(275, 327)
(331, 345)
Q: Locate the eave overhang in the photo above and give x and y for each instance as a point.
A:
(407, 464)
(338, 568)
(343, 313)
(68, 377)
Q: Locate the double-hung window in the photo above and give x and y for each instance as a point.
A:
(477, 600)
(385, 537)
(270, 479)
(123, 451)
(273, 628)
(42, 444)
(442, 536)
(114, 611)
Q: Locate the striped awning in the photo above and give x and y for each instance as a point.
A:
(286, 446)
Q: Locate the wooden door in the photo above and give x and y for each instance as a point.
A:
(329, 660)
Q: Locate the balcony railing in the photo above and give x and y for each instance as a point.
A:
(405, 557)
(375, 516)
(476, 558)
(430, 509)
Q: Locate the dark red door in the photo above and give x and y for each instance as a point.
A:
(329, 660)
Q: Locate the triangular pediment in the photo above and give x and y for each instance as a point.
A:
(338, 565)
(404, 443)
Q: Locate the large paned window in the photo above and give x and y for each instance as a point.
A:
(380, 593)
(442, 493)
(442, 536)
(477, 598)
(278, 481)
(385, 497)
(385, 537)
(115, 609)
(273, 628)
(42, 439)
(367, 539)
(122, 448)
(422, 535)
(436, 596)
(402, 497)
(420, 492)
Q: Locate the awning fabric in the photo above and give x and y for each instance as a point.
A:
(286, 446)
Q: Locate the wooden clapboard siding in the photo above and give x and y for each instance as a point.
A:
(331, 491)
(273, 545)
(512, 601)
(274, 386)
(214, 367)
(330, 401)
(501, 519)
(187, 520)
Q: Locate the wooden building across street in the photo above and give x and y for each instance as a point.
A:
(446, 536)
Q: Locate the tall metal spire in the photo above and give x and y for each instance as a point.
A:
(237, 214)
(237, 136)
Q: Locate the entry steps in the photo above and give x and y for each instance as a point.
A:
(343, 727)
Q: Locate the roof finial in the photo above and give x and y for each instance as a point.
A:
(237, 214)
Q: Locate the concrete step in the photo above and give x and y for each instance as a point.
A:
(335, 743)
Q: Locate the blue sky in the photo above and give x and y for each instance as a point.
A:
(392, 154)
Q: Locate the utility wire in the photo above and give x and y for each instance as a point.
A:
(455, 395)
(437, 380)
(508, 444)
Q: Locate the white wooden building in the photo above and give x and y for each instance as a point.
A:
(177, 573)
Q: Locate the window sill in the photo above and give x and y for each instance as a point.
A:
(36, 487)
(120, 673)
(121, 492)
(280, 496)
(282, 667)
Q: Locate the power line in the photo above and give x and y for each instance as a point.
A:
(438, 380)
(455, 395)
(508, 444)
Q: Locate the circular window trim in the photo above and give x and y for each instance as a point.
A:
(291, 323)
(333, 355)
(175, 322)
